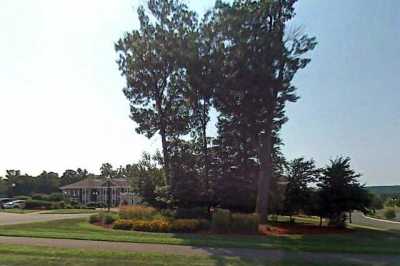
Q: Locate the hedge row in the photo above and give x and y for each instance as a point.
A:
(162, 225)
(43, 205)
(105, 218)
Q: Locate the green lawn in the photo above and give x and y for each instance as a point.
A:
(363, 240)
(20, 211)
(70, 211)
(12, 255)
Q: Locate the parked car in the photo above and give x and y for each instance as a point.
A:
(4, 201)
(15, 204)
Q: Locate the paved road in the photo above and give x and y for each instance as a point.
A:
(359, 219)
(269, 255)
(14, 218)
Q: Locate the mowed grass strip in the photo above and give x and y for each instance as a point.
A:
(12, 255)
(70, 211)
(362, 240)
(18, 211)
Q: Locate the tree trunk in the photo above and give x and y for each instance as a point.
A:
(165, 154)
(265, 174)
(205, 149)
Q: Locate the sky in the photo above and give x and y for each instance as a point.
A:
(62, 106)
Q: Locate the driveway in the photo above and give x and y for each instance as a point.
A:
(359, 219)
(14, 218)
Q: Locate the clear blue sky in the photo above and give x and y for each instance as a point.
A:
(61, 104)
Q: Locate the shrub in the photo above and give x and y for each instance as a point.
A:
(137, 212)
(390, 213)
(158, 226)
(244, 223)
(55, 197)
(95, 218)
(204, 224)
(192, 213)
(38, 205)
(39, 197)
(75, 204)
(109, 218)
(185, 225)
(57, 205)
(123, 224)
(221, 221)
(168, 213)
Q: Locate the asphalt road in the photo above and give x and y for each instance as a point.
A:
(359, 219)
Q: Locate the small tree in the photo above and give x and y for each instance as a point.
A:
(300, 173)
(340, 192)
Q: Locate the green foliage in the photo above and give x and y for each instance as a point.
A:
(46, 183)
(94, 218)
(109, 218)
(52, 197)
(71, 176)
(341, 192)
(192, 213)
(137, 212)
(38, 205)
(244, 223)
(376, 202)
(204, 224)
(390, 213)
(151, 61)
(266, 56)
(147, 179)
(221, 221)
(300, 173)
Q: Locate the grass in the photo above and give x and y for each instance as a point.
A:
(56, 211)
(13, 255)
(19, 211)
(362, 240)
(70, 211)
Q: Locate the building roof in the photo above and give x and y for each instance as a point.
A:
(97, 183)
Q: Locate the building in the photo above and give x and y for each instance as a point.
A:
(94, 190)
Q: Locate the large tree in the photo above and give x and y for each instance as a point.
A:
(71, 176)
(151, 61)
(341, 192)
(46, 183)
(261, 58)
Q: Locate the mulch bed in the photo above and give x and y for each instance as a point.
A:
(281, 229)
(298, 229)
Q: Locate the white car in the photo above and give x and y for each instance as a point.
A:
(15, 204)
